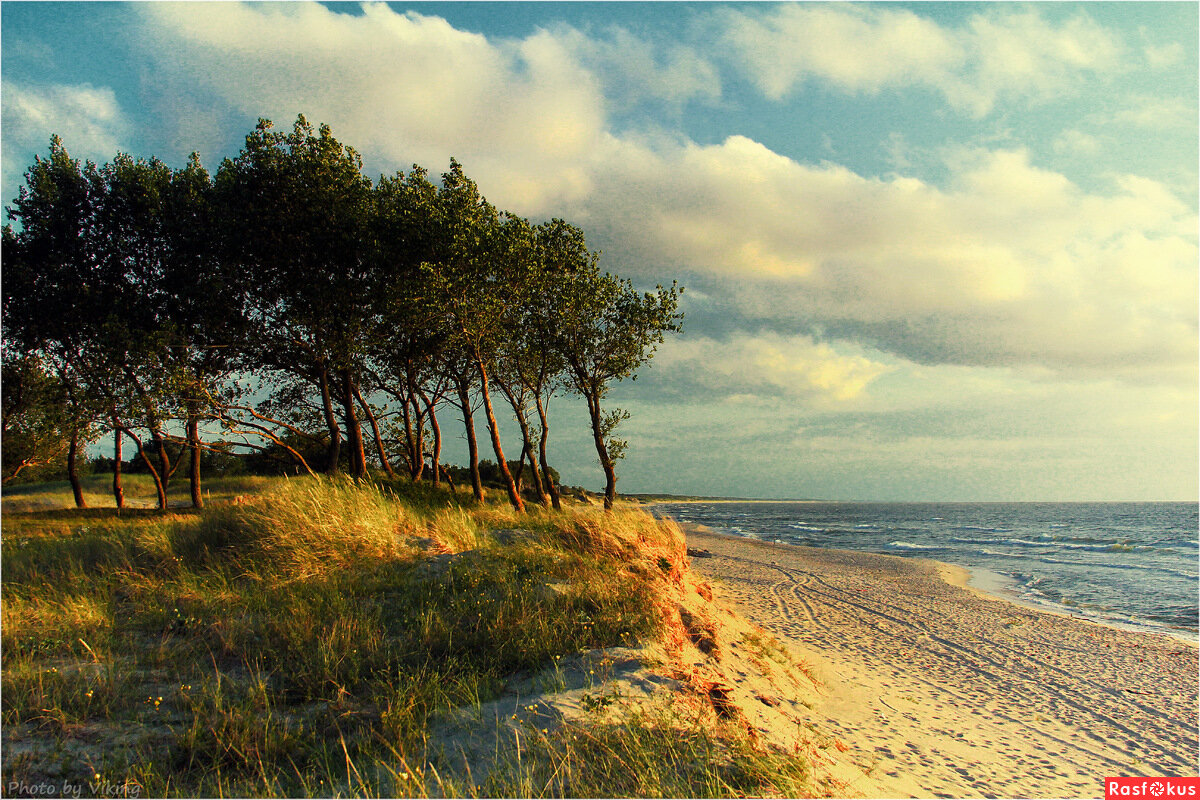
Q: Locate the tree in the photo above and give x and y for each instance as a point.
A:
(409, 335)
(470, 285)
(527, 365)
(288, 298)
(41, 427)
(295, 213)
(607, 331)
(59, 291)
(203, 307)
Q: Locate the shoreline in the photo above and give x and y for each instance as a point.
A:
(980, 575)
(1001, 586)
(940, 688)
(978, 580)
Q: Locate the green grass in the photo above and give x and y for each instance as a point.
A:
(303, 643)
(139, 492)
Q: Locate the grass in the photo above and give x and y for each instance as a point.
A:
(660, 751)
(303, 642)
(139, 492)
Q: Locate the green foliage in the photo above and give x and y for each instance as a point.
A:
(277, 304)
(298, 643)
(39, 420)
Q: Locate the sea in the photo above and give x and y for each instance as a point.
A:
(1132, 565)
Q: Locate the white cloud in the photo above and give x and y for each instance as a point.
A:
(1076, 143)
(858, 49)
(87, 118)
(865, 49)
(402, 87)
(1152, 113)
(795, 367)
(1011, 263)
(1165, 56)
(635, 70)
(1008, 262)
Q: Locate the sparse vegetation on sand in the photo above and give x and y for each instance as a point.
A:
(311, 638)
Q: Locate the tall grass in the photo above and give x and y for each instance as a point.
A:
(302, 642)
(659, 751)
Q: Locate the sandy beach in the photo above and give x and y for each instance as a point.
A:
(937, 690)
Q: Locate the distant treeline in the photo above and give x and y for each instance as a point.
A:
(274, 311)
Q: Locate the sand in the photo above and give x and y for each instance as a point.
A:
(933, 689)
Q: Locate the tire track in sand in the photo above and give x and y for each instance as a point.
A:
(958, 683)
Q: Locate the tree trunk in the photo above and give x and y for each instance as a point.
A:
(437, 441)
(354, 436)
(333, 454)
(73, 472)
(610, 472)
(158, 484)
(152, 424)
(418, 437)
(118, 458)
(411, 446)
(464, 400)
(383, 459)
(550, 485)
(514, 496)
(193, 437)
(414, 433)
(518, 479)
(519, 411)
(538, 484)
(160, 446)
(527, 436)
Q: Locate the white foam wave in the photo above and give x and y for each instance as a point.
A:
(1104, 546)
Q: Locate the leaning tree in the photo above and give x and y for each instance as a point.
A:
(606, 332)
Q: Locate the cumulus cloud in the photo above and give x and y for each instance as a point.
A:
(768, 363)
(87, 118)
(636, 70)
(1152, 114)
(1004, 262)
(402, 87)
(1009, 263)
(1165, 56)
(864, 49)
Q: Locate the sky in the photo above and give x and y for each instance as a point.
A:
(930, 251)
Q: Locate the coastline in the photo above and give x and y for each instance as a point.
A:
(989, 584)
(941, 688)
(1041, 556)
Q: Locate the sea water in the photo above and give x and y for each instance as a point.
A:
(1128, 564)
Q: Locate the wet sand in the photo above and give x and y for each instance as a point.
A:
(941, 691)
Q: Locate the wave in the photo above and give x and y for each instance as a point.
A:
(802, 527)
(1111, 565)
(995, 553)
(981, 528)
(911, 546)
(1125, 546)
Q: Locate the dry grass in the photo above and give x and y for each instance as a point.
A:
(301, 643)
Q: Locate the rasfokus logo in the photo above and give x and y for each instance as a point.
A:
(1153, 788)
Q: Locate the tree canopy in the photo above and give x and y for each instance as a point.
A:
(285, 303)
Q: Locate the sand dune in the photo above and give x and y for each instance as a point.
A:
(940, 691)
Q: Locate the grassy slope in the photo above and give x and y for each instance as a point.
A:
(306, 642)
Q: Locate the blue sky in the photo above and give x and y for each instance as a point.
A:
(932, 251)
